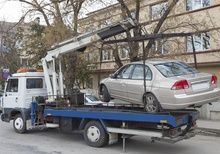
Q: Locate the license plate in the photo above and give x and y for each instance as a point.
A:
(200, 86)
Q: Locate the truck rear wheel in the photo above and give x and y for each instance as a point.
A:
(95, 135)
(19, 124)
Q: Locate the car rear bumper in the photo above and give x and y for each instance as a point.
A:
(182, 101)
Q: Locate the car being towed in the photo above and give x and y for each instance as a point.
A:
(170, 84)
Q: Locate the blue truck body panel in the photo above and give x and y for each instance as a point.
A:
(172, 119)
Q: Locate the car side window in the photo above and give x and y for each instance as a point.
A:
(125, 72)
(12, 85)
(138, 73)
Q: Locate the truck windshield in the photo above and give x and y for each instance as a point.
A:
(171, 69)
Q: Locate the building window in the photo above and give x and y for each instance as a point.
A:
(124, 53)
(89, 57)
(24, 61)
(201, 42)
(158, 10)
(196, 4)
(106, 55)
(161, 47)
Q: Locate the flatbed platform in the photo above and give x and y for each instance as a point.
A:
(110, 122)
(170, 118)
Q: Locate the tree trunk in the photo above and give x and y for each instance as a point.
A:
(172, 4)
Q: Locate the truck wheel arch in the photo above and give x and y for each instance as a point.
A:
(85, 121)
(14, 113)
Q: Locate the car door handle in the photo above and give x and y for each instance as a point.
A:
(16, 99)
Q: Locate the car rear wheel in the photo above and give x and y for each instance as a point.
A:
(151, 103)
(104, 95)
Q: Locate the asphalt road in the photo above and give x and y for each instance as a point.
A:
(54, 142)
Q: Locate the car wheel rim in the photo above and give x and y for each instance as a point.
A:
(150, 104)
(19, 123)
(93, 134)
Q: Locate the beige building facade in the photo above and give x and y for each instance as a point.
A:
(199, 17)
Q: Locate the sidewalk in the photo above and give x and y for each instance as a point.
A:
(209, 125)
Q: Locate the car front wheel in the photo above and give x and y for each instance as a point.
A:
(104, 95)
(151, 103)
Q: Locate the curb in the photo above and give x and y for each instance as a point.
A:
(209, 131)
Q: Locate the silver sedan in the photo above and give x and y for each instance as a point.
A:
(170, 84)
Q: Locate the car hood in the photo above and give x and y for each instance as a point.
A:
(104, 80)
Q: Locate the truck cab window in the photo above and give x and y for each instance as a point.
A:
(34, 83)
(12, 85)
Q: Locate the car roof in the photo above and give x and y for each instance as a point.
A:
(155, 61)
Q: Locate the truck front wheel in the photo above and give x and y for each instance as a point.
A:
(95, 135)
(19, 124)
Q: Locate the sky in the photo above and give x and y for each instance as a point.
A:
(10, 11)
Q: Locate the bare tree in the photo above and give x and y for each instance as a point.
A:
(55, 13)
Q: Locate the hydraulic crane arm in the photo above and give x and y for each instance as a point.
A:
(84, 40)
(54, 86)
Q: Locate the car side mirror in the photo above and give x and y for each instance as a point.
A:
(112, 76)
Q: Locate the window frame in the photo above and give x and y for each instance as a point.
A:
(124, 49)
(34, 79)
(146, 66)
(123, 67)
(192, 2)
(151, 10)
(110, 55)
(6, 90)
(164, 44)
(201, 42)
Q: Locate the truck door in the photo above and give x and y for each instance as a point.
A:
(10, 98)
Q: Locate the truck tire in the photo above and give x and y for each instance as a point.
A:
(19, 124)
(95, 135)
(104, 96)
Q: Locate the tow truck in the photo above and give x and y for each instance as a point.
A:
(36, 99)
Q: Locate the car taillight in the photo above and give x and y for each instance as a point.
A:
(182, 84)
(214, 79)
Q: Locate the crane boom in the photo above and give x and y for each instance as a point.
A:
(72, 45)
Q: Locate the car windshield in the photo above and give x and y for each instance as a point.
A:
(170, 69)
(92, 98)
